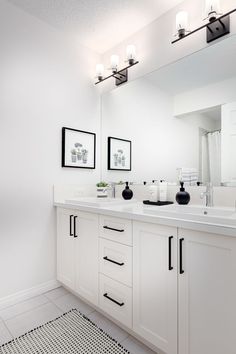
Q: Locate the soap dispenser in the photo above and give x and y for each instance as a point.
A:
(163, 191)
(153, 192)
(182, 197)
(127, 192)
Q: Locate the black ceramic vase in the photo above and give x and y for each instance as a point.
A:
(127, 194)
(182, 197)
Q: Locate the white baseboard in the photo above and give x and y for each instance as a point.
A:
(28, 293)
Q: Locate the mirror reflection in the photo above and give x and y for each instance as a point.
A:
(181, 120)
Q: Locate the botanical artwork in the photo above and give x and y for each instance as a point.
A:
(78, 148)
(119, 154)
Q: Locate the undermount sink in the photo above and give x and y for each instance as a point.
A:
(195, 213)
(96, 202)
(201, 210)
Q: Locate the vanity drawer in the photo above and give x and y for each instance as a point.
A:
(116, 299)
(116, 229)
(115, 261)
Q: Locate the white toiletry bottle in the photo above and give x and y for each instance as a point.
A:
(162, 191)
(153, 192)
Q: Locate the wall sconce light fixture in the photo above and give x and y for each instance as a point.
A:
(182, 23)
(121, 75)
(218, 24)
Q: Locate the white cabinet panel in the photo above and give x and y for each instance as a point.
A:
(155, 285)
(116, 229)
(116, 261)
(77, 252)
(207, 293)
(86, 256)
(116, 299)
(65, 247)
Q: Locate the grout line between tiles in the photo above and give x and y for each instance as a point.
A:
(5, 325)
(27, 311)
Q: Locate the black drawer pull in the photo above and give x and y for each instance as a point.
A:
(75, 217)
(111, 260)
(71, 216)
(111, 228)
(170, 253)
(116, 302)
(181, 270)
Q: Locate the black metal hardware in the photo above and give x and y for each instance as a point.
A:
(121, 76)
(71, 216)
(110, 260)
(181, 271)
(75, 217)
(116, 302)
(112, 229)
(215, 29)
(170, 253)
(218, 29)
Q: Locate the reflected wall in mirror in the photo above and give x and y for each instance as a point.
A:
(181, 120)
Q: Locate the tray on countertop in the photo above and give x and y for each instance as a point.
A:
(147, 202)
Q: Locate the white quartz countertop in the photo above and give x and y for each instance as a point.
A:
(154, 214)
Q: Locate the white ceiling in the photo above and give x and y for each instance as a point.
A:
(98, 24)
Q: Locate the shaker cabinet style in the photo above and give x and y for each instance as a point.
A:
(77, 252)
(155, 284)
(175, 288)
(86, 256)
(66, 219)
(207, 293)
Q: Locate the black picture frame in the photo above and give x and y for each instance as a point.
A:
(77, 164)
(110, 164)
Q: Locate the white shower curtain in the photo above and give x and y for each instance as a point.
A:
(214, 153)
(205, 173)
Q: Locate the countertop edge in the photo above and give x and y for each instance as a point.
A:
(225, 230)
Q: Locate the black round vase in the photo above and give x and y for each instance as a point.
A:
(127, 194)
(182, 197)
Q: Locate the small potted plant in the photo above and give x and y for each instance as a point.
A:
(79, 153)
(102, 189)
(73, 155)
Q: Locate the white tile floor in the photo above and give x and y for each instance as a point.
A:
(24, 316)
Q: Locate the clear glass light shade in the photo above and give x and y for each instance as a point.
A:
(212, 6)
(99, 70)
(131, 52)
(114, 62)
(182, 20)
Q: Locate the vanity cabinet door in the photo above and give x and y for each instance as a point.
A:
(207, 293)
(155, 285)
(65, 247)
(86, 256)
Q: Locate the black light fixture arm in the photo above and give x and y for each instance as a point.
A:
(222, 20)
(118, 74)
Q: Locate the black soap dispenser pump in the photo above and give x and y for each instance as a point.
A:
(182, 197)
(127, 193)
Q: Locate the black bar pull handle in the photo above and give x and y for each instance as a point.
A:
(71, 233)
(111, 228)
(170, 254)
(111, 260)
(75, 217)
(116, 302)
(181, 270)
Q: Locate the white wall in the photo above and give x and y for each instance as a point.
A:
(205, 97)
(161, 143)
(45, 84)
(153, 42)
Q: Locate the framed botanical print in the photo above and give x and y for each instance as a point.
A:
(78, 148)
(119, 154)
